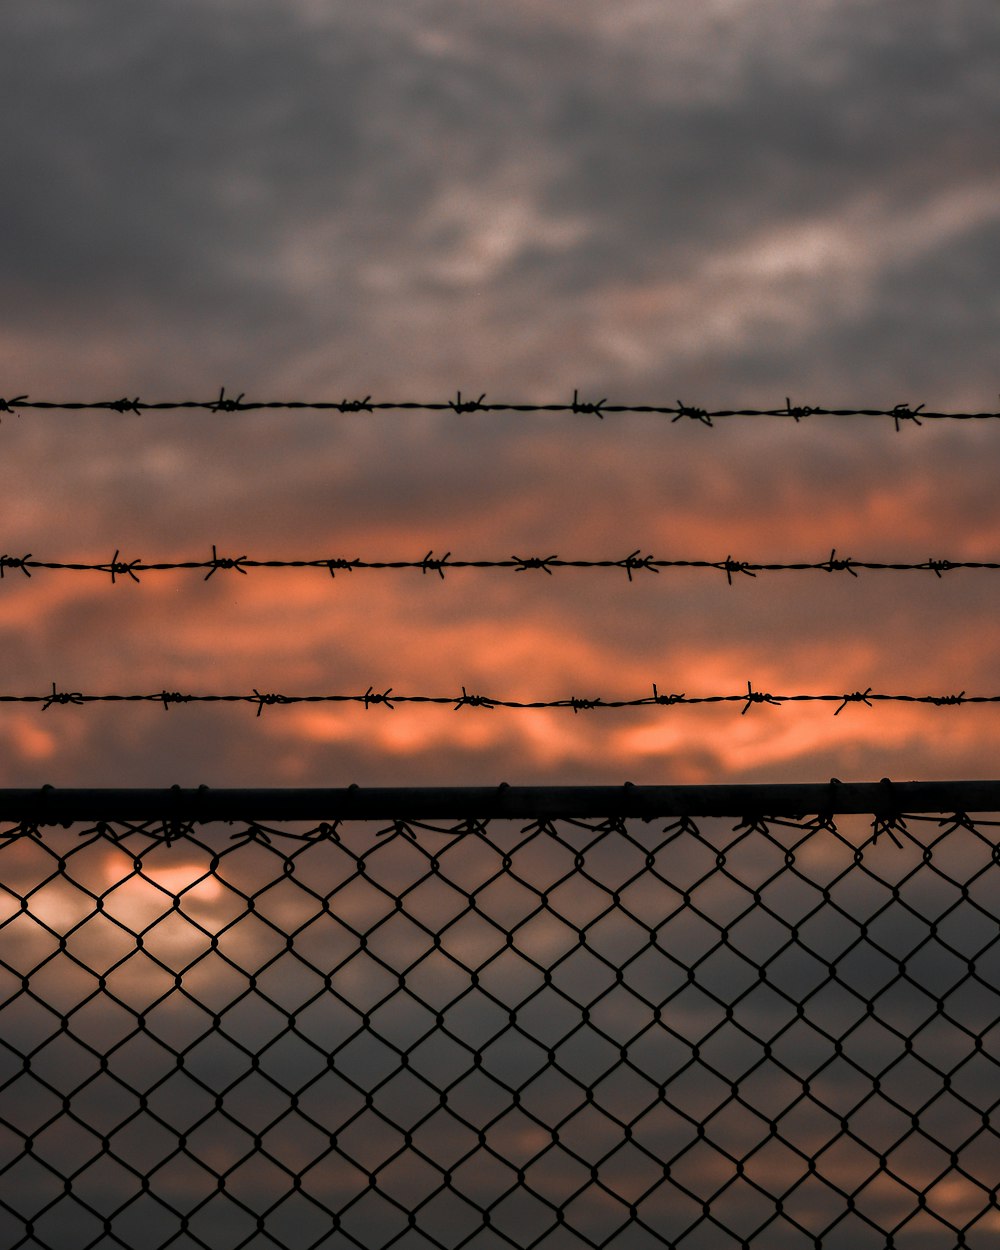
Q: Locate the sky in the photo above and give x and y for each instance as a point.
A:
(727, 204)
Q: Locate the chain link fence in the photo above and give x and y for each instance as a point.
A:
(485, 1033)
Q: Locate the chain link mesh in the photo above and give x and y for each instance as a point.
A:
(579, 1033)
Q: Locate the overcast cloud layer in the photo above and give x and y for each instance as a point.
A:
(727, 203)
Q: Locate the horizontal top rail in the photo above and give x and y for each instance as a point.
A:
(52, 805)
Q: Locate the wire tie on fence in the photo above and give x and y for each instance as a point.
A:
(371, 697)
(431, 565)
(222, 404)
(857, 697)
(613, 824)
(325, 829)
(544, 826)
(903, 412)
(587, 406)
(398, 828)
(10, 405)
(752, 824)
(684, 825)
(635, 561)
(172, 828)
(798, 413)
(666, 698)
(732, 566)
(891, 824)
(834, 565)
(251, 832)
(172, 696)
(473, 700)
(888, 820)
(268, 700)
(15, 562)
(755, 696)
(120, 568)
(225, 562)
(534, 562)
(696, 414)
(940, 566)
(960, 820)
(585, 705)
(356, 405)
(126, 405)
(61, 696)
(467, 405)
(946, 700)
(340, 563)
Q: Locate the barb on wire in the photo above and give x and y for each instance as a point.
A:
(584, 406)
(373, 697)
(120, 568)
(467, 405)
(755, 696)
(473, 700)
(15, 562)
(523, 563)
(634, 562)
(429, 563)
(222, 404)
(737, 566)
(798, 413)
(859, 696)
(899, 414)
(222, 562)
(903, 412)
(126, 405)
(846, 565)
(12, 405)
(58, 696)
(695, 414)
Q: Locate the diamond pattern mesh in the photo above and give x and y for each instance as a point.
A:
(779, 1035)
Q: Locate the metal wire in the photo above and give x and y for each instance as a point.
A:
(633, 563)
(900, 414)
(585, 1033)
(387, 698)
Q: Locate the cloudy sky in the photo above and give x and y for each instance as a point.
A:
(727, 204)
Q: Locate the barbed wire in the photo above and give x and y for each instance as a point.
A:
(633, 563)
(389, 699)
(900, 414)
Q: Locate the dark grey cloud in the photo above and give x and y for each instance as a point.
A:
(341, 180)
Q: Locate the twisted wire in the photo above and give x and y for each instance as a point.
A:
(903, 413)
(634, 563)
(388, 698)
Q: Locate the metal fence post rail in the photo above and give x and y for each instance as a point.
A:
(52, 805)
(617, 1016)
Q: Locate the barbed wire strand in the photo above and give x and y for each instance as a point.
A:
(388, 699)
(901, 413)
(633, 563)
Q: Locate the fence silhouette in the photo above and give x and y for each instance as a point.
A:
(622, 1016)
